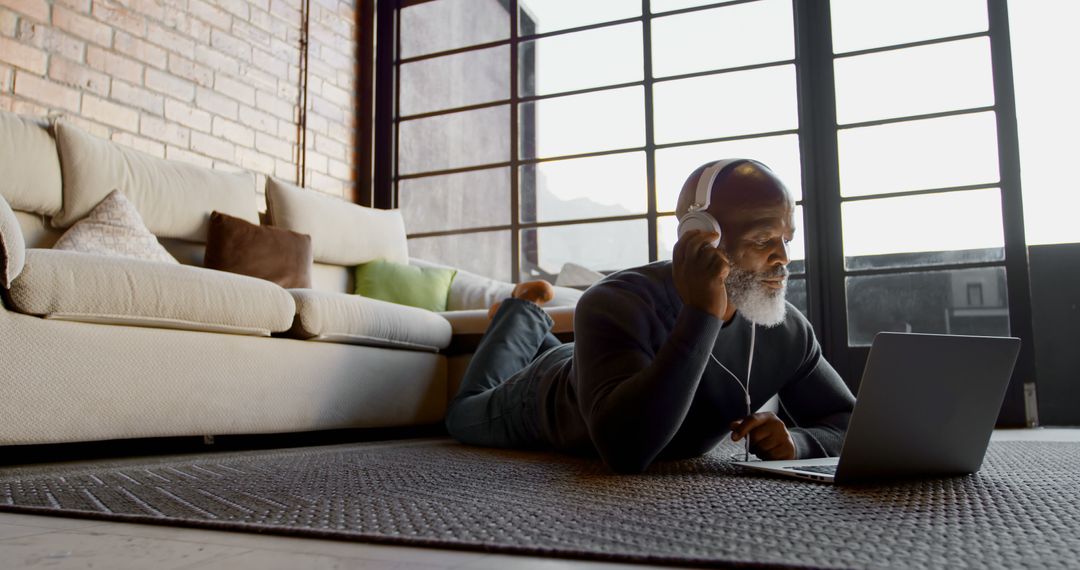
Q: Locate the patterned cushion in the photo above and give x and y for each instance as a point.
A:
(114, 228)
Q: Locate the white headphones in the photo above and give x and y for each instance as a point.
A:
(696, 217)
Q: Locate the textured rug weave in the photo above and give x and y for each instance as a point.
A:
(1021, 510)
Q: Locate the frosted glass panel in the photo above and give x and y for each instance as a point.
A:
(743, 34)
(609, 185)
(449, 202)
(593, 58)
(605, 120)
(539, 16)
(484, 253)
(864, 24)
(914, 81)
(729, 104)
(916, 155)
(607, 246)
(456, 140)
(430, 27)
(455, 80)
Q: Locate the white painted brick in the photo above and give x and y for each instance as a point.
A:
(233, 132)
(171, 85)
(183, 67)
(235, 89)
(172, 41)
(140, 144)
(210, 14)
(216, 60)
(36, 9)
(274, 146)
(275, 106)
(216, 103)
(24, 56)
(231, 45)
(82, 26)
(114, 65)
(258, 120)
(255, 160)
(138, 97)
(70, 73)
(168, 133)
(143, 51)
(213, 147)
(98, 109)
(46, 92)
(187, 116)
(6, 75)
(120, 17)
(285, 170)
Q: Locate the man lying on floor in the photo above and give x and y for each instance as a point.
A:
(670, 357)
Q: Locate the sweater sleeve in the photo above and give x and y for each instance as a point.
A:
(819, 403)
(634, 399)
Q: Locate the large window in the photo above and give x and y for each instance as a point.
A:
(567, 138)
(535, 133)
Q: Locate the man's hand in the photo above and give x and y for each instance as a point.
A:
(699, 270)
(769, 437)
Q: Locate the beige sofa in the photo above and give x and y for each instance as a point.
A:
(95, 348)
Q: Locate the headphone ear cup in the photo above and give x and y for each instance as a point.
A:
(700, 221)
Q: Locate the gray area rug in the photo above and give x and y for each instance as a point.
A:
(1021, 510)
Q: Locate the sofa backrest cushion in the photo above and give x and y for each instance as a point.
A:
(12, 246)
(342, 233)
(175, 199)
(114, 228)
(30, 179)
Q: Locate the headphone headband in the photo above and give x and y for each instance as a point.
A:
(703, 196)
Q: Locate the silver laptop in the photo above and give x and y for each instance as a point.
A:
(926, 407)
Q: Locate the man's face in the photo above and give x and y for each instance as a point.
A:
(755, 239)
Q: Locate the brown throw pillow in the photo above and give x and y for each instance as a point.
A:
(274, 254)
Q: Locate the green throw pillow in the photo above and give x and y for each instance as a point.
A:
(424, 287)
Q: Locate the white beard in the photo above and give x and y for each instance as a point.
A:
(755, 301)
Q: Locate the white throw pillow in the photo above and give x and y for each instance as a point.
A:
(114, 227)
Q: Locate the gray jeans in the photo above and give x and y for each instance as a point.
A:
(496, 404)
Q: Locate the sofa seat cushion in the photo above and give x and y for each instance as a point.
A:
(352, 319)
(94, 288)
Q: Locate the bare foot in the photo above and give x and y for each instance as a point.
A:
(538, 292)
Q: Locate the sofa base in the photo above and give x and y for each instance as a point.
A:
(69, 381)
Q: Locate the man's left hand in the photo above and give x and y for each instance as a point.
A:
(769, 437)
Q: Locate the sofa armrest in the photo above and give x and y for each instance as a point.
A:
(470, 291)
(12, 245)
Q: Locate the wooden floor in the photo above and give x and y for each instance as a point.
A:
(53, 542)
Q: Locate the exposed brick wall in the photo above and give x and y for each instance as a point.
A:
(212, 82)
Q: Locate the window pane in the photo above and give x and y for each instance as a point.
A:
(927, 229)
(728, 104)
(1045, 46)
(455, 80)
(913, 81)
(456, 140)
(441, 203)
(485, 253)
(667, 233)
(605, 120)
(539, 16)
(863, 24)
(915, 155)
(610, 185)
(658, 6)
(611, 246)
(743, 34)
(441, 25)
(968, 301)
(593, 58)
(673, 165)
(796, 294)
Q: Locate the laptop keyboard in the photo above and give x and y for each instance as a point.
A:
(823, 469)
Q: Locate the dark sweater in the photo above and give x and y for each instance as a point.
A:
(638, 382)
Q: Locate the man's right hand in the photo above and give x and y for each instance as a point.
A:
(699, 270)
